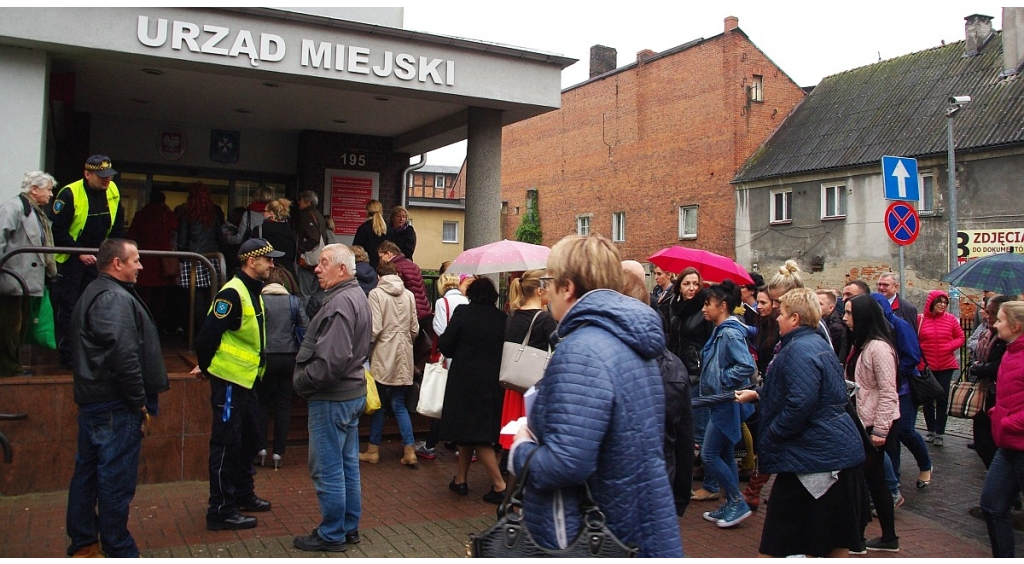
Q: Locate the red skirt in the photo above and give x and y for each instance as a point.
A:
(511, 410)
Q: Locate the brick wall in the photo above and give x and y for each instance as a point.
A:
(320, 150)
(668, 132)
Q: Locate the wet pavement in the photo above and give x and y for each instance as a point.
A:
(409, 512)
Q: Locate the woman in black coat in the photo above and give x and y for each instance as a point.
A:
(473, 397)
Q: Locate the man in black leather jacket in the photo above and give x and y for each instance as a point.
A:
(115, 350)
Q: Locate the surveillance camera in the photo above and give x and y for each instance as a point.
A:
(959, 100)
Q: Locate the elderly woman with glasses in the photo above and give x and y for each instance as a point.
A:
(23, 223)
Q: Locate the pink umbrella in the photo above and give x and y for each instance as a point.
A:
(712, 267)
(503, 256)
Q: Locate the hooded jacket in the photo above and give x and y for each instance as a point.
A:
(727, 366)
(599, 417)
(394, 329)
(940, 335)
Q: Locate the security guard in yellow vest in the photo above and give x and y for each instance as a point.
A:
(84, 213)
(230, 351)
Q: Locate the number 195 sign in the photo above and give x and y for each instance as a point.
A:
(353, 159)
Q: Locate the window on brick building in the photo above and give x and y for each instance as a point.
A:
(833, 201)
(450, 232)
(583, 225)
(927, 184)
(688, 222)
(439, 181)
(781, 206)
(619, 227)
(757, 89)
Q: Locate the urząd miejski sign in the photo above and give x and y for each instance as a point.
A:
(222, 41)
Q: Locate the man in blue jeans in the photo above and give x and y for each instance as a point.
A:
(329, 375)
(118, 365)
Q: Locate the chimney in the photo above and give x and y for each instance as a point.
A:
(602, 59)
(731, 23)
(642, 56)
(978, 30)
(1013, 41)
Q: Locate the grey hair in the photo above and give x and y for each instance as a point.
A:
(36, 178)
(895, 277)
(263, 194)
(309, 196)
(339, 254)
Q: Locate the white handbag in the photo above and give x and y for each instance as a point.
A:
(435, 379)
(522, 366)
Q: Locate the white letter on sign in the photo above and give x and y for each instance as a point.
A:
(268, 40)
(430, 69)
(161, 32)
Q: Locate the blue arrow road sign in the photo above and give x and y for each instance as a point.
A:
(900, 177)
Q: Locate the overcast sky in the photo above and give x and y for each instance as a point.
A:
(807, 41)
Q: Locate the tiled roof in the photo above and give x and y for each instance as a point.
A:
(896, 107)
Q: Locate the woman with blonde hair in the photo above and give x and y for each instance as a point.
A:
(372, 232)
(451, 298)
(276, 230)
(528, 303)
(598, 416)
(400, 231)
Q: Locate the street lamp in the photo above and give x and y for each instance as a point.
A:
(955, 104)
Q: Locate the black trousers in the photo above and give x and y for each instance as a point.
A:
(233, 446)
(874, 474)
(72, 278)
(275, 394)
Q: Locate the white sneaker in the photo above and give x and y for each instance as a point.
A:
(929, 437)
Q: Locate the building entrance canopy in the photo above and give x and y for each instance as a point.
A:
(278, 70)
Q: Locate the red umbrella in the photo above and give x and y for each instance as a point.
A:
(712, 267)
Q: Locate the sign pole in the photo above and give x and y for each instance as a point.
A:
(954, 297)
(902, 276)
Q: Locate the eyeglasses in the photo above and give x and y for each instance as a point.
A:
(544, 281)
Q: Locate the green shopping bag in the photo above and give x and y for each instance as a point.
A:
(40, 330)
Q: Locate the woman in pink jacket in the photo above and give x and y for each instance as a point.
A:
(941, 337)
(1006, 474)
(872, 365)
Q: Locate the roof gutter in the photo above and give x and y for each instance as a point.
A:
(405, 177)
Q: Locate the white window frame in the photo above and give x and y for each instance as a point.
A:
(583, 224)
(788, 198)
(685, 235)
(840, 204)
(618, 227)
(757, 88)
(454, 225)
(926, 194)
(439, 181)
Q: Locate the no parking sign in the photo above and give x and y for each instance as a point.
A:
(902, 223)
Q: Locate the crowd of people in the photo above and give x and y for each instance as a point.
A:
(812, 388)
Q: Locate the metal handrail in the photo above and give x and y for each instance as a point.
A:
(214, 287)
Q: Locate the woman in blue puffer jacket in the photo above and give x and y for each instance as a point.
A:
(727, 366)
(599, 412)
(809, 440)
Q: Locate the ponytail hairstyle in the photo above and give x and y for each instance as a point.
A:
(280, 209)
(523, 288)
(727, 292)
(376, 212)
(787, 278)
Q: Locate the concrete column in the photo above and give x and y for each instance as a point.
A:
(23, 93)
(483, 177)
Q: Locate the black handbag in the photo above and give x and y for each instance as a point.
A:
(509, 537)
(924, 388)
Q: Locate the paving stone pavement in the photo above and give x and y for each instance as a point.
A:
(410, 513)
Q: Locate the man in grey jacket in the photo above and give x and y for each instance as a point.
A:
(329, 375)
(118, 369)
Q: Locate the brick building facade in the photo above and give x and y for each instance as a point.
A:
(649, 143)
